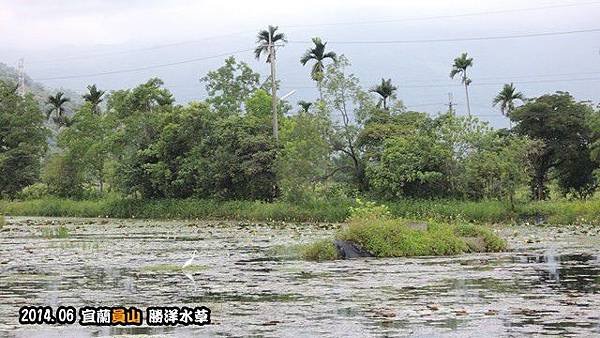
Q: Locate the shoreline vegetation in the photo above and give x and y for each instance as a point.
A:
(479, 212)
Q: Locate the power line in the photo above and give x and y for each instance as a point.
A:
(424, 18)
(130, 70)
(475, 83)
(143, 49)
(479, 38)
(450, 16)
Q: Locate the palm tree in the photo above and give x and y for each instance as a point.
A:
(57, 106)
(506, 98)
(266, 40)
(386, 90)
(460, 66)
(94, 97)
(318, 54)
(305, 106)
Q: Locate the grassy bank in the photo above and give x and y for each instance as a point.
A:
(555, 212)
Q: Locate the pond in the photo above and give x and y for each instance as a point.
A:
(548, 284)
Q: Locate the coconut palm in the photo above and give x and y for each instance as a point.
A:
(506, 98)
(266, 41)
(318, 54)
(460, 66)
(94, 97)
(305, 106)
(386, 90)
(57, 106)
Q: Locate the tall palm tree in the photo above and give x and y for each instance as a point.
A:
(386, 90)
(318, 54)
(305, 106)
(57, 106)
(266, 42)
(460, 66)
(94, 96)
(506, 98)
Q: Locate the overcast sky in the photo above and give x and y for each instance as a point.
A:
(64, 37)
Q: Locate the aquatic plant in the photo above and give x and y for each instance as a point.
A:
(323, 250)
(60, 231)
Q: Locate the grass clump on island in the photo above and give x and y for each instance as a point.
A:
(375, 230)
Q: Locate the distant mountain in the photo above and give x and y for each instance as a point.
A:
(41, 93)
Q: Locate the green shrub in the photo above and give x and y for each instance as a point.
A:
(2, 221)
(34, 192)
(323, 250)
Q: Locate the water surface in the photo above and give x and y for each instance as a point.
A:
(548, 284)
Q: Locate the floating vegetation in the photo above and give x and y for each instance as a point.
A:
(60, 231)
(168, 268)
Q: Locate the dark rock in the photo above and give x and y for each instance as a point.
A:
(347, 249)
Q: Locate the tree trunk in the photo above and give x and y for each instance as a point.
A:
(273, 91)
(320, 87)
(468, 103)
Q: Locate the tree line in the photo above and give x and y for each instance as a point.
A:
(241, 142)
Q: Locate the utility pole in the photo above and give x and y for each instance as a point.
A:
(273, 88)
(21, 78)
(450, 104)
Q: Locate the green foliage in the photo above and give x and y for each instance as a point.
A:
(229, 86)
(315, 210)
(61, 176)
(561, 124)
(368, 211)
(86, 144)
(304, 158)
(22, 140)
(345, 98)
(387, 237)
(413, 155)
(323, 250)
(2, 221)
(34, 192)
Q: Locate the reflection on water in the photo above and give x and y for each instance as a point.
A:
(549, 286)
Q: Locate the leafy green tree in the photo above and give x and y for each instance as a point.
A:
(304, 159)
(144, 99)
(318, 54)
(559, 122)
(506, 98)
(86, 143)
(22, 140)
(410, 165)
(230, 85)
(386, 90)
(191, 151)
(459, 67)
(267, 41)
(57, 107)
(62, 176)
(94, 97)
(594, 125)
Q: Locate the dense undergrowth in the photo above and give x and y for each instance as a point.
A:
(554, 212)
